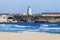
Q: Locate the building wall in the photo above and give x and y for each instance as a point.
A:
(3, 18)
(50, 14)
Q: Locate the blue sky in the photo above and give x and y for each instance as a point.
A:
(20, 6)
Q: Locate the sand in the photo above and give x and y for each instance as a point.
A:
(28, 36)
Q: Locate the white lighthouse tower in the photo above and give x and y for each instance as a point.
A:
(29, 11)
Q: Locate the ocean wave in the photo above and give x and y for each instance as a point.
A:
(30, 28)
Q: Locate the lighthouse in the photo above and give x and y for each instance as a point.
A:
(29, 11)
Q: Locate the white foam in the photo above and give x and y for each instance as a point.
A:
(9, 25)
(50, 28)
(44, 25)
(20, 26)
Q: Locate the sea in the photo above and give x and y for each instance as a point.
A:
(53, 28)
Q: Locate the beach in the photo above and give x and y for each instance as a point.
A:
(28, 36)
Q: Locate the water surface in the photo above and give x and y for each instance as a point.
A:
(30, 27)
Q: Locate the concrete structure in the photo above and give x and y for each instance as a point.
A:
(10, 18)
(51, 14)
(3, 18)
(29, 11)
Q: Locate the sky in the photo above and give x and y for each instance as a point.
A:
(38, 6)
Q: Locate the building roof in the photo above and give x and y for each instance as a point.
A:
(51, 13)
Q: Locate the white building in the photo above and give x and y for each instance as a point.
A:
(29, 11)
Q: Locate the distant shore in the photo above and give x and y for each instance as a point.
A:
(30, 22)
(44, 17)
